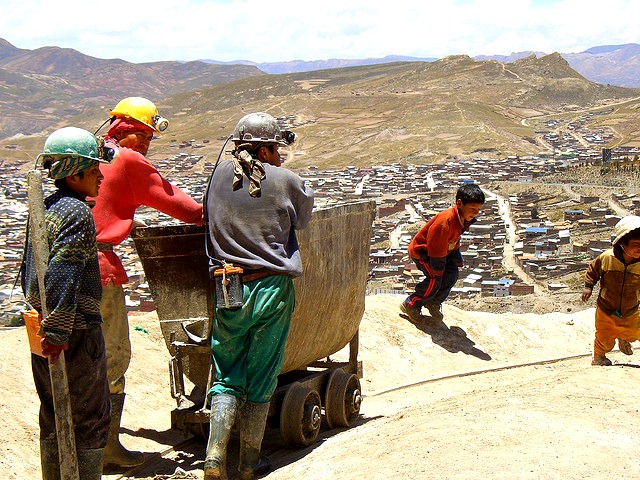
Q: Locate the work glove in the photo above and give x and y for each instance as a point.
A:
(52, 350)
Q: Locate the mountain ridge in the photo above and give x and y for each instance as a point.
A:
(45, 85)
(609, 64)
(415, 112)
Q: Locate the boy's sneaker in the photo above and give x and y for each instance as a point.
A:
(625, 347)
(435, 310)
(414, 313)
(601, 361)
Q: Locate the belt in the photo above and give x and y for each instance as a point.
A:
(258, 274)
(105, 247)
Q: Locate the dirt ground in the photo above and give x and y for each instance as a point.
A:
(484, 395)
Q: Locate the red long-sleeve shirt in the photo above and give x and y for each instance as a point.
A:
(438, 237)
(129, 182)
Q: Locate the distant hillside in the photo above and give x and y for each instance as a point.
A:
(610, 48)
(608, 64)
(407, 112)
(44, 86)
(417, 112)
(509, 58)
(613, 64)
(8, 50)
(297, 66)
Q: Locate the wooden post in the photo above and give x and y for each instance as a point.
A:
(58, 371)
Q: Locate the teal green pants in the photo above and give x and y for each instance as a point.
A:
(248, 343)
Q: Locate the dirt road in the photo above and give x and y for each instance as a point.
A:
(477, 397)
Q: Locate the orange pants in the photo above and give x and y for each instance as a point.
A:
(610, 327)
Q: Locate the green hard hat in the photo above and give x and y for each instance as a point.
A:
(71, 142)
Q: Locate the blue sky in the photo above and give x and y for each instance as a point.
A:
(271, 31)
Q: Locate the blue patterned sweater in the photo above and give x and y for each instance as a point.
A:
(72, 280)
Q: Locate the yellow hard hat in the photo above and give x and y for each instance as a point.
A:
(142, 110)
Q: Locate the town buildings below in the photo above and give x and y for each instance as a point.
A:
(407, 195)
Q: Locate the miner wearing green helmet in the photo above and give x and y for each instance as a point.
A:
(72, 284)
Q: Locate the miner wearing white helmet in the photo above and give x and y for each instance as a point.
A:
(73, 291)
(618, 271)
(129, 182)
(253, 208)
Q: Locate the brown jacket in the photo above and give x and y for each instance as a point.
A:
(619, 282)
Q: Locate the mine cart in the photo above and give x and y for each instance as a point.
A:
(330, 300)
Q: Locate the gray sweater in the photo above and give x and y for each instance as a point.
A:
(258, 233)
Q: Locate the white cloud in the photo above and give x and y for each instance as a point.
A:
(281, 30)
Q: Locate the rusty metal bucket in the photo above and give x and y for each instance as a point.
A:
(330, 296)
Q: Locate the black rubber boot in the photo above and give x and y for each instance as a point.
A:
(90, 463)
(222, 416)
(252, 420)
(49, 460)
(115, 455)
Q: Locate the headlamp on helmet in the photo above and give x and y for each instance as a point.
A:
(105, 153)
(160, 123)
(289, 137)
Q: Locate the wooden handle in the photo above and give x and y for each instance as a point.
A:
(57, 371)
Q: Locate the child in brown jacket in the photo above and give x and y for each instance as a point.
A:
(618, 271)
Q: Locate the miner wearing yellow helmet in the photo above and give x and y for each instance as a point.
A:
(129, 182)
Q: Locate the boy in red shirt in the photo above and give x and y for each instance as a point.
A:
(436, 252)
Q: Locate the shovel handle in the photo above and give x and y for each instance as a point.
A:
(57, 371)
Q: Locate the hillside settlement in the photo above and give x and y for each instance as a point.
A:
(529, 235)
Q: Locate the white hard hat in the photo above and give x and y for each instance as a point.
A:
(624, 226)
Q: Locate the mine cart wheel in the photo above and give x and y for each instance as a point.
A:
(342, 399)
(300, 416)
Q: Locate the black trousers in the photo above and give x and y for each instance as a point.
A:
(88, 389)
(435, 288)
